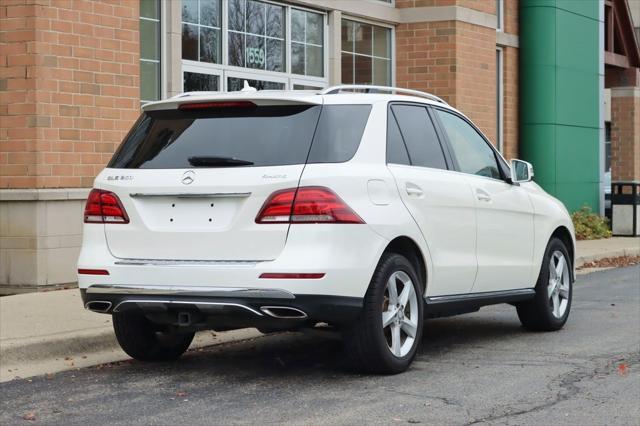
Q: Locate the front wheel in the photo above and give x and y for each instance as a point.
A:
(386, 336)
(144, 341)
(549, 310)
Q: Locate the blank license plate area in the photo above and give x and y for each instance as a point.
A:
(188, 214)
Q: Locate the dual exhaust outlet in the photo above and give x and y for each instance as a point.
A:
(280, 312)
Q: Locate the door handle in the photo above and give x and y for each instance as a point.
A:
(483, 195)
(413, 190)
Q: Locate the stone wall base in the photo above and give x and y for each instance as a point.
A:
(40, 238)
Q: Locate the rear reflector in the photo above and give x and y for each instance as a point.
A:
(93, 272)
(104, 207)
(310, 204)
(207, 105)
(283, 275)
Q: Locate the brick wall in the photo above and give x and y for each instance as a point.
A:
(487, 6)
(456, 61)
(510, 11)
(625, 137)
(510, 103)
(69, 88)
(425, 58)
(476, 75)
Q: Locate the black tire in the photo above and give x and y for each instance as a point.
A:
(537, 314)
(367, 343)
(144, 341)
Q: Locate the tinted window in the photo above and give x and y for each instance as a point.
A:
(419, 136)
(473, 153)
(339, 132)
(265, 136)
(396, 150)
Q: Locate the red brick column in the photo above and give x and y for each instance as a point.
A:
(625, 133)
(457, 61)
(69, 88)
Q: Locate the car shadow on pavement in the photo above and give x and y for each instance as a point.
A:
(321, 352)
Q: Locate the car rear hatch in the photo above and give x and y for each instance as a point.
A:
(193, 177)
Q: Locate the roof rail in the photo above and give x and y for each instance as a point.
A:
(377, 89)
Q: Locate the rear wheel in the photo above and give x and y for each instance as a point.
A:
(144, 341)
(549, 310)
(386, 336)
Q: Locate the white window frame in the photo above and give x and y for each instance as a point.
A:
(499, 15)
(224, 70)
(500, 99)
(199, 68)
(392, 59)
(162, 91)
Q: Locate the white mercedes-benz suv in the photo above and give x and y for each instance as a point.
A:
(365, 208)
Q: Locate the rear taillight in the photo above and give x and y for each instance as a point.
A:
(311, 204)
(104, 207)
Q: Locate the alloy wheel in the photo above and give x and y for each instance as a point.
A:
(400, 314)
(559, 284)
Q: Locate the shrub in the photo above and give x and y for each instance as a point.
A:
(590, 226)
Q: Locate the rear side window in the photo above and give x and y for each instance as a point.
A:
(396, 150)
(339, 132)
(419, 136)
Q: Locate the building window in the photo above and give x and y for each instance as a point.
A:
(366, 53)
(198, 82)
(500, 99)
(500, 15)
(307, 40)
(150, 89)
(201, 30)
(256, 35)
(259, 38)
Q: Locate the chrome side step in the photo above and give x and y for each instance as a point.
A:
(456, 304)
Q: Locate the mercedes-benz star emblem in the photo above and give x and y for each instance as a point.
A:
(188, 177)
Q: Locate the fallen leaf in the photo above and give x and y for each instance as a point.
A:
(623, 369)
(31, 416)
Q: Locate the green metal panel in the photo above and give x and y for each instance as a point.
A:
(560, 97)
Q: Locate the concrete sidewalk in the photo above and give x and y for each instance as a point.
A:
(50, 332)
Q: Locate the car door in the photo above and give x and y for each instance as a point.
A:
(504, 212)
(440, 201)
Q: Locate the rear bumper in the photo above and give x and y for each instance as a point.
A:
(222, 308)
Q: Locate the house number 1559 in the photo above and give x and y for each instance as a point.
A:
(255, 56)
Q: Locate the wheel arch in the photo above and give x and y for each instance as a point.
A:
(408, 248)
(564, 235)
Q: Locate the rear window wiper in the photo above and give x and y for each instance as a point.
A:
(208, 161)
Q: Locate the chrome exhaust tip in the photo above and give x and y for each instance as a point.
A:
(283, 312)
(98, 306)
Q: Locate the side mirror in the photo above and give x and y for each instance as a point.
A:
(521, 171)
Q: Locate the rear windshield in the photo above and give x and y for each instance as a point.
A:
(243, 136)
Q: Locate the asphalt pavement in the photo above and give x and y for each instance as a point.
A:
(475, 368)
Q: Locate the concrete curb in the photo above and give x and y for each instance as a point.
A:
(84, 349)
(633, 251)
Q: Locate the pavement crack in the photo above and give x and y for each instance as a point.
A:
(568, 383)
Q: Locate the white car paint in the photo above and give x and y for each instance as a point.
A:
(468, 245)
